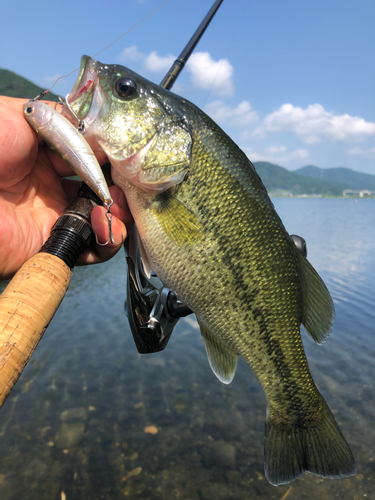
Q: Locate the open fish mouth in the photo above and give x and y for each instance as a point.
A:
(86, 97)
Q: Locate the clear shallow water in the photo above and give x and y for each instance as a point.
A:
(75, 422)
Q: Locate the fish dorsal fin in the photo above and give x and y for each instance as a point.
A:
(145, 262)
(223, 360)
(318, 311)
(177, 220)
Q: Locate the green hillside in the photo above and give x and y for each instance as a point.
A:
(344, 176)
(13, 85)
(280, 181)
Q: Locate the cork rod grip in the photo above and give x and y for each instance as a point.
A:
(27, 306)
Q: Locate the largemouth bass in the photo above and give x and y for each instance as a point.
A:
(210, 232)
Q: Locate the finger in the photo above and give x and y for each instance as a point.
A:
(120, 206)
(121, 221)
(110, 244)
(97, 253)
(18, 143)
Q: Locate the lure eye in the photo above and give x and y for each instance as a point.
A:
(29, 110)
(125, 87)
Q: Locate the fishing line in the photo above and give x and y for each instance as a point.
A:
(141, 21)
(235, 32)
(213, 83)
(117, 39)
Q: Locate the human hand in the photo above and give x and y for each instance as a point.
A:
(33, 194)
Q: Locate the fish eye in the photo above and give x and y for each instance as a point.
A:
(29, 110)
(125, 87)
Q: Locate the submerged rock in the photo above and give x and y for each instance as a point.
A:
(35, 468)
(233, 476)
(219, 453)
(72, 414)
(69, 434)
(218, 491)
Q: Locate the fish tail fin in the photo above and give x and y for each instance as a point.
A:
(319, 448)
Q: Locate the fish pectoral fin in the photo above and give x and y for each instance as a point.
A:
(177, 221)
(318, 310)
(319, 448)
(222, 360)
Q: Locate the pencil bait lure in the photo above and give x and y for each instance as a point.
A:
(69, 144)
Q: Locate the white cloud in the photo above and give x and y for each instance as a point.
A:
(276, 149)
(205, 73)
(300, 154)
(155, 63)
(131, 54)
(51, 79)
(276, 154)
(366, 153)
(240, 116)
(151, 62)
(209, 74)
(314, 123)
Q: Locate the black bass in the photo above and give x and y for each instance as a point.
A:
(65, 139)
(211, 234)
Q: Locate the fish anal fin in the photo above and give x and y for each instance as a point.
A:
(222, 360)
(318, 311)
(320, 449)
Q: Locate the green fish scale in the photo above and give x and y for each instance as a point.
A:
(242, 278)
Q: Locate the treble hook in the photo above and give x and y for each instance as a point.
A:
(109, 216)
(65, 104)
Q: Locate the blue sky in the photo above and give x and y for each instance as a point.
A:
(291, 82)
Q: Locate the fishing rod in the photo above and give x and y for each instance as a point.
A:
(34, 294)
(178, 65)
(30, 300)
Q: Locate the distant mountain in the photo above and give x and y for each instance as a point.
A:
(349, 179)
(13, 85)
(280, 181)
(308, 180)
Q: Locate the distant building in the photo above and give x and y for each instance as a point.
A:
(358, 192)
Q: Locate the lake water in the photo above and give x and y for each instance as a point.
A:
(75, 426)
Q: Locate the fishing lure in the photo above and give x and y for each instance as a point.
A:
(68, 143)
(71, 146)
